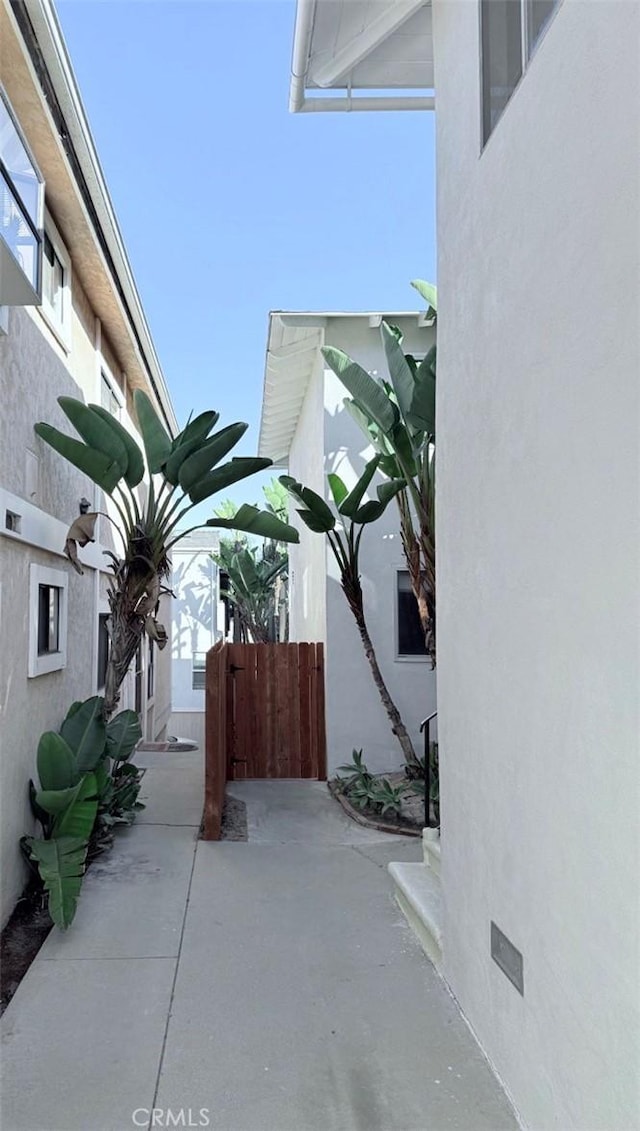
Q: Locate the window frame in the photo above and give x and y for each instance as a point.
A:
(526, 56)
(105, 374)
(195, 671)
(103, 616)
(48, 661)
(60, 327)
(402, 657)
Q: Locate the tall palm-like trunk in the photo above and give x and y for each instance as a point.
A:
(353, 592)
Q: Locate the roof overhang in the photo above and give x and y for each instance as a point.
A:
(343, 48)
(294, 342)
(40, 82)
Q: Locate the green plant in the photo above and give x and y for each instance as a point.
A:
(343, 532)
(180, 474)
(418, 786)
(386, 797)
(398, 418)
(86, 784)
(357, 771)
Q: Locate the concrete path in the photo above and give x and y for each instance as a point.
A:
(266, 986)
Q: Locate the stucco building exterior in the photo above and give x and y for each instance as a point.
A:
(537, 922)
(71, 323)
(306, 429)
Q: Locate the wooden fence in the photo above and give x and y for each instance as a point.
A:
(265, 718)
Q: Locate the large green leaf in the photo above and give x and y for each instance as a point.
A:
(189, 440)
(422, 413)
(363, 388)
(156, 440)
(56, 762)
(316, 522)
(55, 801)
(253, 521)
(209, 454)
(123, 734)
(96, 432)
(399, 369)
(135, 467)
(78, 816)
(85, 733)
(96, 465)
(240, 467)
(428, 291)
(350, 505)
(338, 488)
(311, 501)
(61, 864)
(388, 491)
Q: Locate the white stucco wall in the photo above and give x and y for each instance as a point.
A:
(327, 439)
(307, 560)
(538, 539)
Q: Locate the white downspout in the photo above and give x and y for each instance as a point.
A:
(305, 14)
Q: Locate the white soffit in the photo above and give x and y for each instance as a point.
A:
(293, 346)
(354, 46)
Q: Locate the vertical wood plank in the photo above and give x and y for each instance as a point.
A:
(251, 724)
(215, 746)
(270, 763)
(304, 699)
(293, 664)
(239, 654)
(281, 711)
(260, 756)
(321, 716)
(229, 702)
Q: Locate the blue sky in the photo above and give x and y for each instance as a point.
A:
(230, 206)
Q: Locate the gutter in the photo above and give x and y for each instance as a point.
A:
(299, 103)
(42, 35)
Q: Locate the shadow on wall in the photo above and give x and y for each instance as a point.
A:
(194, 607)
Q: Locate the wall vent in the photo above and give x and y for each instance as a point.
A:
(507, 957)
(12, 522)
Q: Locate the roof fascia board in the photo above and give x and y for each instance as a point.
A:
(50, 40)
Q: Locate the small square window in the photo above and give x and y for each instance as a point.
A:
(47, 620)
(410, 636)
(198, 671)
(53, 279)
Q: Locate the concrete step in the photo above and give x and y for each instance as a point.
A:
(431, 849)
(419, 895)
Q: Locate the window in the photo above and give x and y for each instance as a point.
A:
(138, 678)
(47, 620)
(21, 197)
(410, 637)
(510, 30)
(108, 396)
(198, 672)
(103, 649)
(56, 284)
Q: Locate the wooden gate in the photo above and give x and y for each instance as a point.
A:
(264, 717)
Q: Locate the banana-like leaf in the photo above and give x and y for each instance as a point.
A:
(315, 522)
(135, 468)
(79, 814)
(350, 505)
(189, 440)
(85, 732)
(422, 413)
(61, 864)
(363, 388)
(388, 491)
(95, 432)
(156, 440)
(399, 370)
(369, 512)
(96, 465)
(338, 488)
(209, 454)
(123, 734)
(323, 515)
(232, 472)
(56, 762)
(253, 521)
(428, 291)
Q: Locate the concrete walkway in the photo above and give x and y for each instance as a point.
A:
(263, 986)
